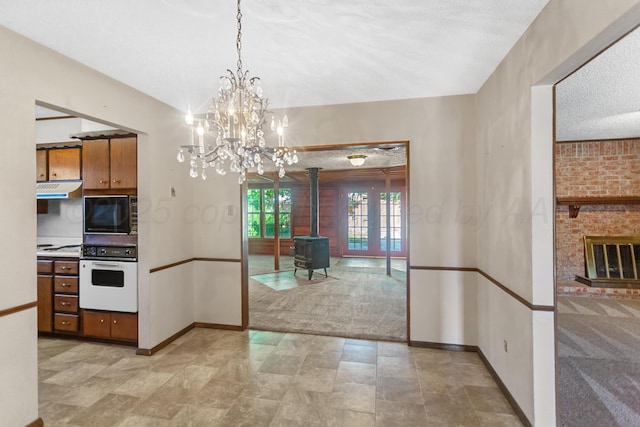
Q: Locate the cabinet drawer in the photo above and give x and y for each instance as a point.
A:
(45, 266)
(65, 267)
(65, 303)
(65, 285)
(65, 322)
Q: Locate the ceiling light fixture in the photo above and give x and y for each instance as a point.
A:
(231, 132)
(357, 159)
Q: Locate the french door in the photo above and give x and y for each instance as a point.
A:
(364, 214)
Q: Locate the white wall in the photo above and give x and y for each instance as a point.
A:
(33, 73)
(63, 219)
(512, 180)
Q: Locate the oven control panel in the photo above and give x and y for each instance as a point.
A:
(102, 252)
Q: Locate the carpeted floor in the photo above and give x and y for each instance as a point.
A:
(599, 362)
(356, 300)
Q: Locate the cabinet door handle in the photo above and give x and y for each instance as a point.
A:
(64, 303)
(115, 321)
(64, 322)
(65, 285)
(101, 320)
(116, 181)
(102, 181)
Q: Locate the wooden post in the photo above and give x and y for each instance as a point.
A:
(276, 222)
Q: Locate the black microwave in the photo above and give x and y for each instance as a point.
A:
(110, 214)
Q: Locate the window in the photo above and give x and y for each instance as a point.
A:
(261, 212)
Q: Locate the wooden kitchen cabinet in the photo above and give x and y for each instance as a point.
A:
(58, 295)
(110, 325)
(42, 171)
(45, 303)
(110, 164)
(64, 163)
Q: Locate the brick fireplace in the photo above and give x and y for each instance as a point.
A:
(602, 178)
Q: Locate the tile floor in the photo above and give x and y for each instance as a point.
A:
(255, 378)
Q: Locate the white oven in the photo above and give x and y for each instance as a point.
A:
(109, 278)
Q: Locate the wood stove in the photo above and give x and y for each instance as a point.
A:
(312, 252)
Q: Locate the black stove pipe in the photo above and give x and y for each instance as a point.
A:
(314, 201)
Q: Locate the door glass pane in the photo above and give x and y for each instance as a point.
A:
(358, 221)
(268, 212)
(396, 222)
(253, 223)
(285, 212)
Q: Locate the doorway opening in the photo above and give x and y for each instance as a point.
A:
(364, 294)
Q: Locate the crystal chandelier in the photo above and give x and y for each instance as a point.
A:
(231, 133)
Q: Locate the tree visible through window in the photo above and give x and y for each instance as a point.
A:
(261, 212)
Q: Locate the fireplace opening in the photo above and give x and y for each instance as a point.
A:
(611, 261)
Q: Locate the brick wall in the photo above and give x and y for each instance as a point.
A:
(591, 169)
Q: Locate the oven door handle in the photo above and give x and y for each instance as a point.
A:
(106, 264)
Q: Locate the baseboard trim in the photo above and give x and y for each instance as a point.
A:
(218, 326)
(459, 347)
(512, 401)
(443, 346)
(37, 423)
(163, 344)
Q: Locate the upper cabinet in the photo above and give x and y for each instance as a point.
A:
(42, 172)
(110, 164)
(64, 163)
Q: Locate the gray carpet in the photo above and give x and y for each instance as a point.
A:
(599, 362)
(357, 300)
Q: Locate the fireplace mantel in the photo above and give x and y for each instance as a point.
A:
(575, 203)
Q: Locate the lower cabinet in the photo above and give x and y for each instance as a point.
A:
(110, 325)
(45, 303)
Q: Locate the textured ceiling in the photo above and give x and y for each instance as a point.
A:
(319, 52)
(601, 100)
(312, 52)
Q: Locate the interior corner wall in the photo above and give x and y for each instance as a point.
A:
(32, 73)
(441, 204)
(564, 35)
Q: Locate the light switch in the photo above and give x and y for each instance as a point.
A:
(173, 192)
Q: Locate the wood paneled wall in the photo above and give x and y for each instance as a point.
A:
(328, 221)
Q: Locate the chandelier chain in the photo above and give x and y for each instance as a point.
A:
(239, 40)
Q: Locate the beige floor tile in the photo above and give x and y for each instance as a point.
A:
(142, 421)
(281, 364)
(211, 377)
(400, 414)
(327, 360)
(353, 397)
(498, 420)
(143, 384)
(396, 367)
(268, 386)
(75, 375)
(108, 411)
(251, 412)
(315, 379)
(82, 396)
(191, 415)
(217, 394)
(399, 390)
(193, 377)
(356, 372)
(239, 370)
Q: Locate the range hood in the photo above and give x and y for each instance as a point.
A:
(59, 190)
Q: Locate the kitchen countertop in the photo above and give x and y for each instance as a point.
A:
(59, 247)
